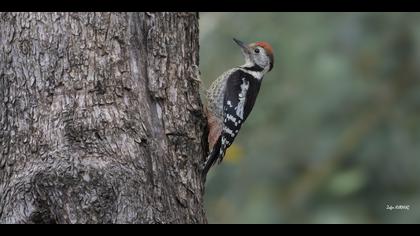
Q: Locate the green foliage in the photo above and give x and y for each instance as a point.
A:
(335, 133)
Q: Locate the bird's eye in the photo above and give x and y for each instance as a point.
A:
(257, 50)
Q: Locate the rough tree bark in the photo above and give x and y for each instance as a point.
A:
(100, 118)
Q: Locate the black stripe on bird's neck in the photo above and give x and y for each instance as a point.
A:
(253, 68)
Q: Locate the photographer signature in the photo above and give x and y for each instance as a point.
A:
(397, 207)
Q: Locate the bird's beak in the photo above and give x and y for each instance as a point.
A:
(243, 46)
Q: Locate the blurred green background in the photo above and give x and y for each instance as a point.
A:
(334, 136)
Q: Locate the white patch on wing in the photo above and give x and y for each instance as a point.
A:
(229, 131)
(223, 145)
(241, 105)
(229, 103)
(231, 118)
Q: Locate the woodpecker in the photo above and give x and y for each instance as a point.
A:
(232, 96)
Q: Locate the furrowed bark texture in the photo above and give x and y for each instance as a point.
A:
(100, 118)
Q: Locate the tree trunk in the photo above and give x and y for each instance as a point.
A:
(100, 118)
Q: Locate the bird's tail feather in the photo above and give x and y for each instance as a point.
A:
(212, 157)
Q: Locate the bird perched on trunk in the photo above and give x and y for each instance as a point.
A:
(231, 98)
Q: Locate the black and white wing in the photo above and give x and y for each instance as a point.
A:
(239, 99)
